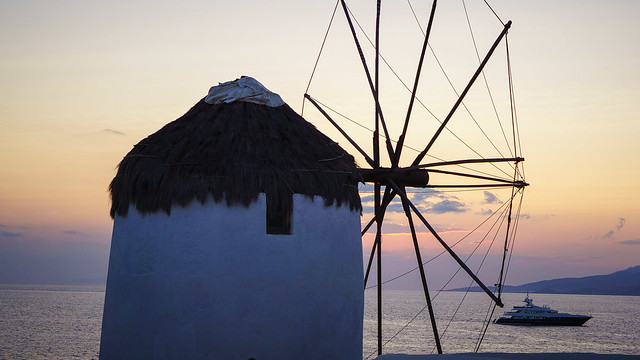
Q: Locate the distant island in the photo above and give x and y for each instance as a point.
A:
(624, 282)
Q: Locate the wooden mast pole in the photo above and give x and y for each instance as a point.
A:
(377, 188)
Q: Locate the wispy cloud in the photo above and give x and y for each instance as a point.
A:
(10, 234)
(366, 198)
(447, 206)
(111, 131)
(630, 242)
(421, 199)
(444, 203)
(427, 201)
(428, 194)
(491, 198)
(611, 233)
(72, 232)
(395, 207)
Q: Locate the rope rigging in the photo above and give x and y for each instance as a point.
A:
(453, 87)
(486, 83)
(504, 212)
(468, 111)
(327, 107)
(324, 40)
(514, 181)
(501, 210)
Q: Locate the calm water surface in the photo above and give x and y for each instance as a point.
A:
(614, 328)
(63, 322)
(50, 322)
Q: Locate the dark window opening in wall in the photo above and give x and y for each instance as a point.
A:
(279, 209)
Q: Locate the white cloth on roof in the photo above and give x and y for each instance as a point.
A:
(244, 89)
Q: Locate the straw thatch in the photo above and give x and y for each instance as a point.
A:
(232, 152)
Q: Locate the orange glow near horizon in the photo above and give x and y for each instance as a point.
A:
(103, 76)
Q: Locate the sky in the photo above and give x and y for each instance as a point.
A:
(81, 82)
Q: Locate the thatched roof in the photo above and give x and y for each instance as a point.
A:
(232, 152)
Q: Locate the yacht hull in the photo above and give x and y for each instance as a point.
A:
(552, 321)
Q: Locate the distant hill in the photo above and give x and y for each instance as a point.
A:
(625, 282)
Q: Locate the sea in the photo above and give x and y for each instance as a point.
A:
(63, 322)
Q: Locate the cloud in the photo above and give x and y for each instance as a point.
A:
(111, 131)
(10, 234)
(395, 207)
(446, 203)
(611, 234)
(367, 198)
(427, 194)
(72, 232)
(630, 242)
(365, 188)
(415, 197)
(491, 198)
(447, 206)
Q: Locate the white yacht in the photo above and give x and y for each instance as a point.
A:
(531, 314)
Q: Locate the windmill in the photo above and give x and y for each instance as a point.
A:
(392, 180)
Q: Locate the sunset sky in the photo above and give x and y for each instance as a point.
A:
(81, 82)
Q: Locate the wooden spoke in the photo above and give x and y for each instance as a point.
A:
(400, 143)
(374, 91)
(470, 161)
(444, 244)
(423, 277)
(462, 95)
(351, 141)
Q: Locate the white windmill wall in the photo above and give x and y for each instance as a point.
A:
(207, 282)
